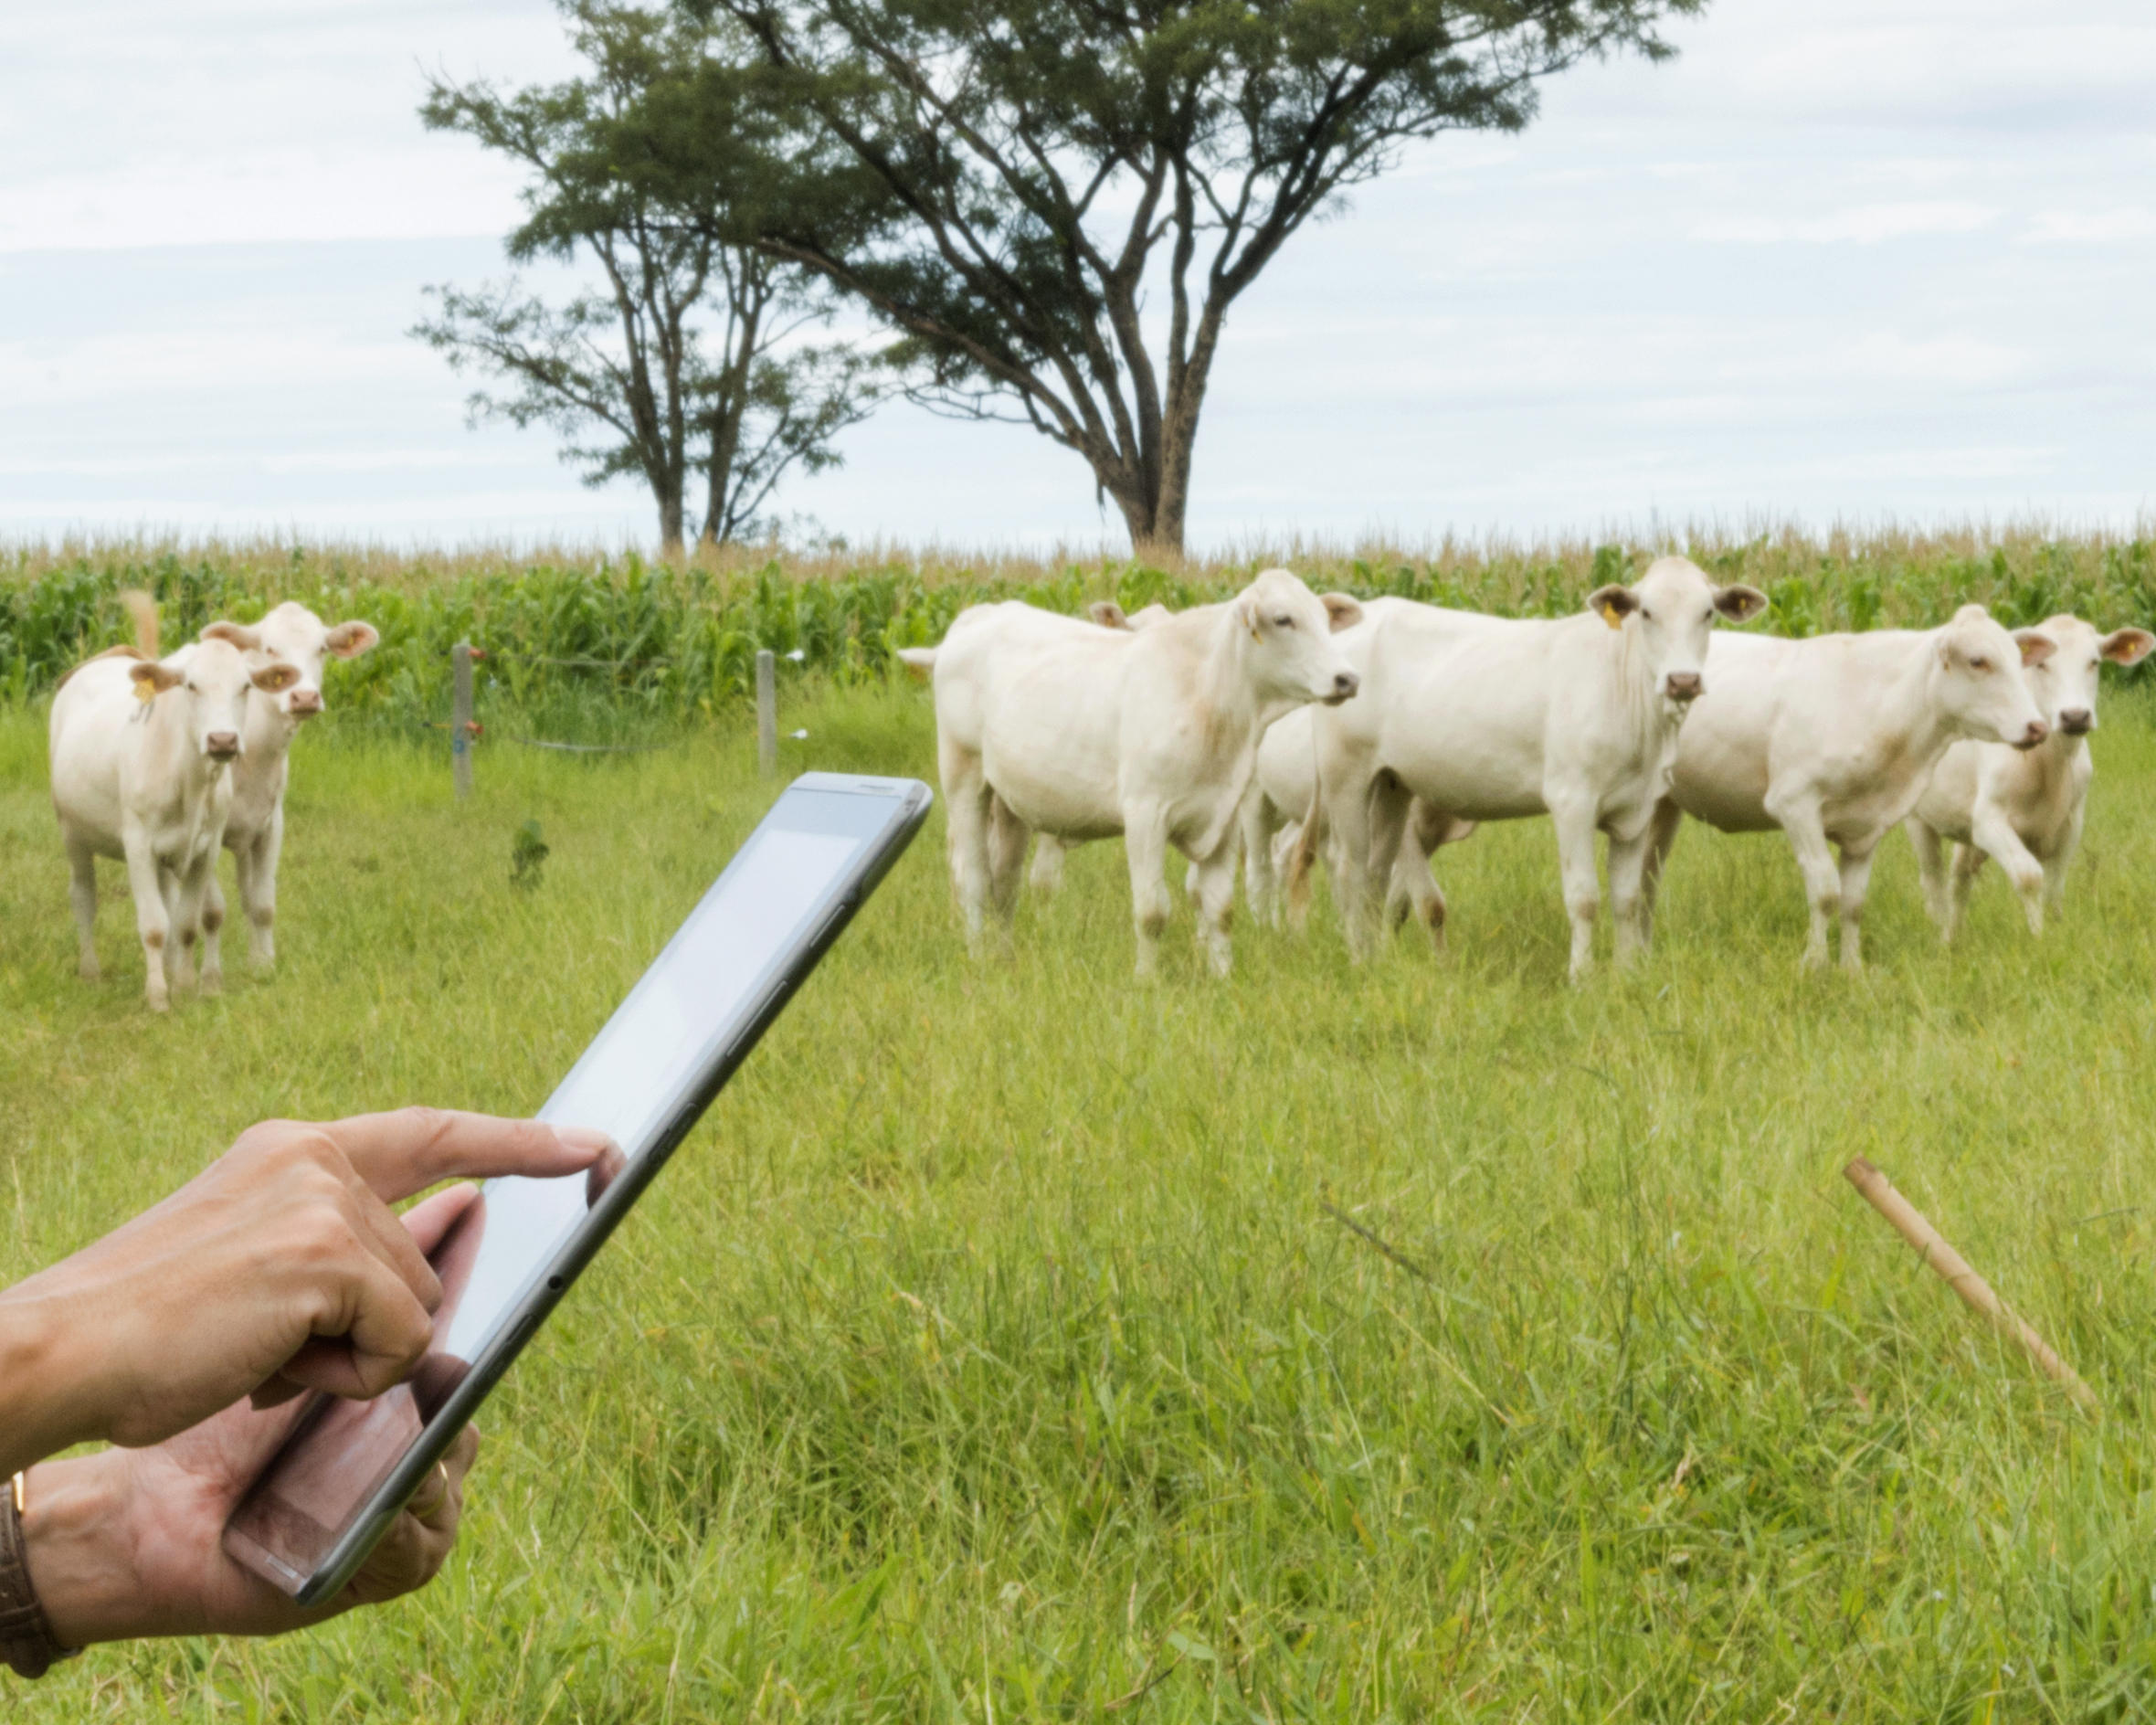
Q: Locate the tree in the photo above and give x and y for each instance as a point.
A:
(1026, 171)
(688, 359)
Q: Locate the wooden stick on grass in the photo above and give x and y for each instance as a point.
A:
(1974, 1290)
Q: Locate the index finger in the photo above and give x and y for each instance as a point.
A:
(409, 1149)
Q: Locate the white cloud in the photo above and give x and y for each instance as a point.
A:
(2087, 227)
(1864, 225)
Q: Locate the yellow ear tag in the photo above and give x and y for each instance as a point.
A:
(1612, 615)
(145, 691)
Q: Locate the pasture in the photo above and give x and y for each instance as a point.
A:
(999, 1348)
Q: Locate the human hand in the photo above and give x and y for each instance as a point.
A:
(129, 1543)
(280, 1267)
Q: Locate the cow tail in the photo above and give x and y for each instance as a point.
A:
(144, 609)
(1306, 843)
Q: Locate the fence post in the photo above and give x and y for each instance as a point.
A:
(460, 719)
(767, 712)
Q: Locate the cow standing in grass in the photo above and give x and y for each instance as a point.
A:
(142, 756)
(2023, 807)
(1492, 719)
(254, 832)
(1053, 724)
(1832, 739)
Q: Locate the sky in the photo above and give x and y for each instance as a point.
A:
(1840, 261)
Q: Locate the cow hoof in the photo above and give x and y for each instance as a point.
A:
(159, 1003)
(88, 972)
(213, 982)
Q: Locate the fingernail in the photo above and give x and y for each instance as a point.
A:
(584, 1138)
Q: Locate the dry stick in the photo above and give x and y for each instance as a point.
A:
(1399, 1257)
(1974, 1290)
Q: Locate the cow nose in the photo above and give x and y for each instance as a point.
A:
(1344, 684)
(2077, 721)
(1683, 685)
(222, 745)
(306, 700)
(2035, 734)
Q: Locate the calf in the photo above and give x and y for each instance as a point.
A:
(2021, 807)
(1492, 719)
(1832, 739)
(141, 756)
(290, 635)
(1052, 724)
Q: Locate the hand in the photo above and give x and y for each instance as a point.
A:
(129, 1542)
(280, 1267)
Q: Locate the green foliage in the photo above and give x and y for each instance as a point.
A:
(528, 852)
(991, 1347)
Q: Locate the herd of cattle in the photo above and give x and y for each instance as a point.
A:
(1284, 727)
(1281, 726)
(160, 762)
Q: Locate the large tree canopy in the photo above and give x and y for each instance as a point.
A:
(1027, 173)
(687, 357)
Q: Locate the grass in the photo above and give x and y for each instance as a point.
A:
(994, 1349)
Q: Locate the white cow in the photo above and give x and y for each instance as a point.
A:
(1832, 738)
(1493, 719)
(141, 756)
(254, 832)
(1049, 724)
(2021, 807)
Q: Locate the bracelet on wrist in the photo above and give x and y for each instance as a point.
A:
(26, 1641)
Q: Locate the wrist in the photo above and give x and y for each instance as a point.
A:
(76, 1536)
(40, 1405)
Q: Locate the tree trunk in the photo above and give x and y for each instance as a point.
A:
(669, 520)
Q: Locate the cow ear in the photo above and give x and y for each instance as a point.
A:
(1739, 604)
(1107, 614)
(2035, 646)
(348, 641)
(1613, 604)
(151, 679)
(246, 639)
(277, 678)
(1246, 613)
(2126, 646)
(1344, 611)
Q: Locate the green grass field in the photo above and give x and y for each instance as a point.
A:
(995, 1349)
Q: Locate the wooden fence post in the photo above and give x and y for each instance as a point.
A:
(460, 719)
(767, 713)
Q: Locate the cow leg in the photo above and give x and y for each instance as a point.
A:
(153, 924)
(2056, 864)
(1662, 839)
(1006, 858)
(1856, 879)
(1214, 888)
(1369, 884)
(1046, 876)
(1574, 819)
(966, 815)
(1968, 862)
(1261, 875)
(1931, 868)
(182, 911)
(1815, 861)
(1994, 833)
(213, 922)
(1628, 894)
(82, 894)
(1144, 845)
(257, 871)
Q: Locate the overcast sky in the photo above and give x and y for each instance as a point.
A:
(1843, 258)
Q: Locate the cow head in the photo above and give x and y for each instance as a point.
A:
(209, 689)
(293, 635)
(1981, 683)
(2063, 682)
(1670, 611)
(1290, 630)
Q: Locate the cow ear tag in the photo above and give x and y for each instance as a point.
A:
(145, 690)
(1612, 615)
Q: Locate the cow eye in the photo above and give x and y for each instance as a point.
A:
(1645, 615)
(1980, 664)
(1285, 621)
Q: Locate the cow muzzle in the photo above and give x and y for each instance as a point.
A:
(1345, 684)
(1683, 685)
(306, 703)
(2077, 722)
(2034, 734)
(221, 746)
